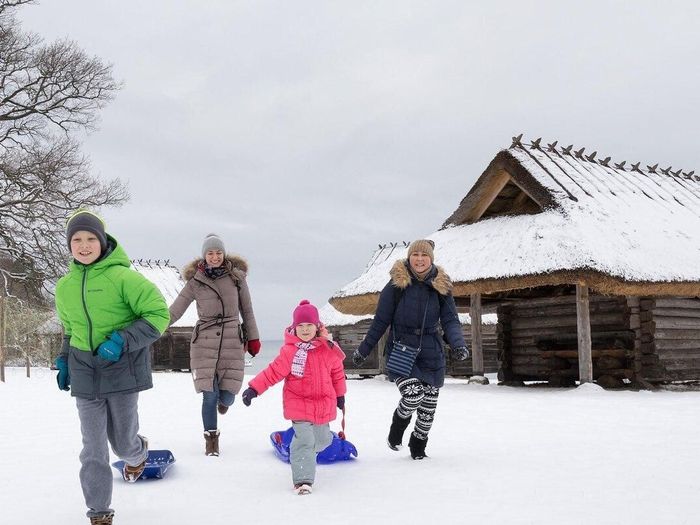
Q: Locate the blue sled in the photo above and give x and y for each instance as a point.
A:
(338, 450)
(157, 464)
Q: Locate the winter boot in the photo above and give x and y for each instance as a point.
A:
(104, 519)
(222, 409)
(417, 447)
(131, 474)
(302, 489)
(398, 427)
(211, 440)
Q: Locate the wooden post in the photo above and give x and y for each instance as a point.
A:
(583, 323)
(477, 348)
(2, 338)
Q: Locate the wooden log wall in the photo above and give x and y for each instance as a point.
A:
(670, 339)
(489, 348)
(503, 342)
(172, 350)
(537, 339)
(349, 338)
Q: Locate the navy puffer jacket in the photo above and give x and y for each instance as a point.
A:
(405, 317)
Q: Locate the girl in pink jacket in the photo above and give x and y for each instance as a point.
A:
(314, 386)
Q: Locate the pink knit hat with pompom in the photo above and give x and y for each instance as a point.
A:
(305, 313)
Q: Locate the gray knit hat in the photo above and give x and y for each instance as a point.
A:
(212, 242)
(84, 220)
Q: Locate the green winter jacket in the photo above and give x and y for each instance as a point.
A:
(95, 300)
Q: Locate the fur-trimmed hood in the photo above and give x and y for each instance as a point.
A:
(235, 264)
(401, 277)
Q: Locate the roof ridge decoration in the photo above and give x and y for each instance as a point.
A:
(389, 247)
(517, 142)
(157, 263)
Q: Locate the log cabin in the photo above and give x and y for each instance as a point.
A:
(592, 266)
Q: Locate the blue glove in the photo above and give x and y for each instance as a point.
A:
(63, 377)
(460, 353)
(248, 395)
(340, 402)
(111, 349)
(358, 358)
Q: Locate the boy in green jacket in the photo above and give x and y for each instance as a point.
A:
(111, 314)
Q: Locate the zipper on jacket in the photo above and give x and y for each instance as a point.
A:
(85, 309)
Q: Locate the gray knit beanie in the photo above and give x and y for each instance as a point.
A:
(212, 242)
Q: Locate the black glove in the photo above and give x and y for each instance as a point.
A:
(358, 358)
(460, 353)
(248, 395)
(340, 402)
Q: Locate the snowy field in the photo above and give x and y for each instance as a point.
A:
(497, 455)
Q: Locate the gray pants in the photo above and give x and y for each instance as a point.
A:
(116, 420)
(308, 440)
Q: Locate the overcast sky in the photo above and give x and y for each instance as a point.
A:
(305, 133)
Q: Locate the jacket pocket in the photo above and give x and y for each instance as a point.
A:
(130, 357)
(116, 376)
(82, 374)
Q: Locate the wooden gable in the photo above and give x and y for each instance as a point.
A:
(510, 200)
(505, 188)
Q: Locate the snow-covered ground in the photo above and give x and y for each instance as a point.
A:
(497, 455)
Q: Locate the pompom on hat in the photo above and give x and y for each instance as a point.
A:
(305, 313)
(424, 246)
(212, 242)
(84, 220)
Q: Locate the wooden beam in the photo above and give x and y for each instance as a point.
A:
(477, 348)
(489, 192)
(583, 323)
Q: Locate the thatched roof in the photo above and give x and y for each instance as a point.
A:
(549, 215)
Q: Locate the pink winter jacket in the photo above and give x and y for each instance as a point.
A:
(311, 397)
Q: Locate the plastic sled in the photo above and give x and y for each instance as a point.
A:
(340, 448)
(157, 464)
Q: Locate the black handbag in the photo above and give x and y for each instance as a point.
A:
(242, 332)
(402, 356)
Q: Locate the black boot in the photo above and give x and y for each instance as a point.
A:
(417, 447)
(398, 427)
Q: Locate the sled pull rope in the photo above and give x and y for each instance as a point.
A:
(341, 434)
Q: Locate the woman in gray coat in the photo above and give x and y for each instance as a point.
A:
(217, 283)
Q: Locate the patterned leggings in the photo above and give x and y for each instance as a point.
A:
(420, 397)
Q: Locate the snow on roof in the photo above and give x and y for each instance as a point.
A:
(631, 223)
(332, 317)
(169, 281)
(641, 225)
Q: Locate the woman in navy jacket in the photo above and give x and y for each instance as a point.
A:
(417, 290)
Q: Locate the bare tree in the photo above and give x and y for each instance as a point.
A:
(48, 94)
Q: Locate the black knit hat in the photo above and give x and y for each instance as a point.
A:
(84, 220)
